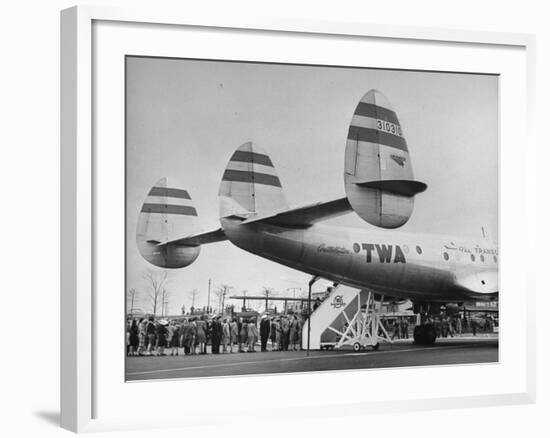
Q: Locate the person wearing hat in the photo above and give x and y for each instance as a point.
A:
(234, 328)
(243, 335)
(187, 337)
(151, 335)
(265, 326)
(216, 335)
(273, 333)
(226, 335)
(200, 335)
(252, 335)
(161, 337)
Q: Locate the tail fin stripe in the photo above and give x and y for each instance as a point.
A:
(251, 157)
(251, 167)
(171, 201)
(251, 177)
(376, 112)
(169, 209)
(374, 136)
(172, 193)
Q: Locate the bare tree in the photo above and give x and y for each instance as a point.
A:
(221, 292)
(267, 292)
(131, 298)
(193, 294)
(156, 290)
(165, 297)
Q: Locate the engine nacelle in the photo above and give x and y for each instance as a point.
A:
(378, 175)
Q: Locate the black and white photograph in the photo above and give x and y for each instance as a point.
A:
(288, 218)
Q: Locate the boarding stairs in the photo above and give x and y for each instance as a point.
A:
(348, 317)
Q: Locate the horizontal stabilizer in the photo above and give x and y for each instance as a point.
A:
(396, 186)
(197, 239)
(306, 215)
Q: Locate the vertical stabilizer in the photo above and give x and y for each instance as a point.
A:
(378, 174)
(167, 214)
(250, 184)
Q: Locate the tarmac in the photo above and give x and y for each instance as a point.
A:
(402, 353)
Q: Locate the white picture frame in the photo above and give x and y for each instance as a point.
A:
(81, 374)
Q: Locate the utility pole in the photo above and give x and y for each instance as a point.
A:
(293, 289)
(132, 294)
(163, 301)
(208, 303)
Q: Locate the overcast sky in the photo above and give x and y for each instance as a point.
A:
(185, 118)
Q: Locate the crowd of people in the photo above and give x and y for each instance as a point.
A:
(149, 336)
(202, 334)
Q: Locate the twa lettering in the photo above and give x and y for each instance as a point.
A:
(385, 253)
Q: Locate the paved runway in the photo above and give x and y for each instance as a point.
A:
(400, 354)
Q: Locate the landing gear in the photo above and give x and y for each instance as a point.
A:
(424, 334)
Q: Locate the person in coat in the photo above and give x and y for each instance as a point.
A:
(173, 338)
(200, 336)
(285, 333)
(265, 326)
(252, 336)
(216, 333)
(134, 338)
(243, 335)
(187, 337)
(234, 332)
(294, 335)
(162, 333)
(273, 333)
(226, 335)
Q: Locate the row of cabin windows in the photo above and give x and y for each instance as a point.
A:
(472, 257)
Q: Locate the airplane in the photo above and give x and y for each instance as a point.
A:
(430, 270)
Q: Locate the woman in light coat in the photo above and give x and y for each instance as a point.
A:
(252, 336)
(226, 336)
(234, 330)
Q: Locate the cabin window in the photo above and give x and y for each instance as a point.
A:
(418, 250)
(482, 258)
(446, 256)
(473, 257)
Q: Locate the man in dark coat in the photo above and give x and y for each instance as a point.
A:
(216, 335)
(265, 326)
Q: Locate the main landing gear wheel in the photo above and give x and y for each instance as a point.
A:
(356, 347)
(424, 334)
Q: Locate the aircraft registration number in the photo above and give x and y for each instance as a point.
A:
(388, 127)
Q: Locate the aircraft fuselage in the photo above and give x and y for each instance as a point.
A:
(406, 265)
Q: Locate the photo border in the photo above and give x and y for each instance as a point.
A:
(78, 198)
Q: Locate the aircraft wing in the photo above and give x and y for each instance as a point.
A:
(305, 215)
(197, 239)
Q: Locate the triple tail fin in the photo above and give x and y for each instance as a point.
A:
(250, 185)
(378, 175)
(167, 214)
